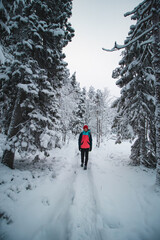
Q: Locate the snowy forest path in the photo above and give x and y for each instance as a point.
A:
(84, 218)
(74, 213)
(62, 208)
(57, 227)
(110, 200)
(45, 209)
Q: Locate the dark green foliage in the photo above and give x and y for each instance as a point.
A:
(33, 73)
(137, 77)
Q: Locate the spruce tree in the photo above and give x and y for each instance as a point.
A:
(68, 103)
(39, 31)
(91, 113)
(79, 113)
(145, 35)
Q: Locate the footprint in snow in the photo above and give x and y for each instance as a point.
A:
(45, 201)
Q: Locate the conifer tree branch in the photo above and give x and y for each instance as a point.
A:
(140, 23)
(118, 47)
(135, 9)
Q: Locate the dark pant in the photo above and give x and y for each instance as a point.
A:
(84, 152)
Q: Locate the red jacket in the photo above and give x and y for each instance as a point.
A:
(85, 140)
(85, 143)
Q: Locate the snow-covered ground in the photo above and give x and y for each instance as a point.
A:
(55, 199)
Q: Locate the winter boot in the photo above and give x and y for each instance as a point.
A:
(85, 167)
(81, 164)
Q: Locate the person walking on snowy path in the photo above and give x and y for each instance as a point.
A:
(85, 145)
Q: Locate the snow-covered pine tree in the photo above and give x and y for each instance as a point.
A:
(135, 107)
(99, 113)
(102, 115)
(79, 107)
(4, 17)
(79, 113)
(39, 31)
(68, 103)
(156, 66)
(84, 96)
(108, 114)
(90, 113)
(73, 107)
(98, 104)
(146, 32)
(4, 30)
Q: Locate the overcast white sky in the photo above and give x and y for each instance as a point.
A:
(97, 24)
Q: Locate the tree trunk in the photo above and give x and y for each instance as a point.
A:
(8, 155)
(143, 155)
(156, 64)
(98, 132)
(135, 153)
(64, 135)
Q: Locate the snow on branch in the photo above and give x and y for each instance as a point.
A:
(150, 40)
(135, 9)
(4, 26)
(152, 54)
(2, 58)
(140, 22)
(146, 8)
(118, 47)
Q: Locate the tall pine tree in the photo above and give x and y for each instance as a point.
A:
(33, 74)
(146, 36)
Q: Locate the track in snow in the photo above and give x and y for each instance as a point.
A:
(74, 214)
(100, 203)
(85, 223)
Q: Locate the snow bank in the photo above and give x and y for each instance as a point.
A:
(128, 205)
(56, 199)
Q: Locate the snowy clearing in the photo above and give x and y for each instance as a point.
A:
(56, 199)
